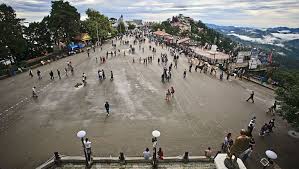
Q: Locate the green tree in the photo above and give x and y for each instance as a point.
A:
(97, 24)
(288, 95)
(64, 21)
(38, 37)
(131, 26)
(121, 27)
(113, 20)
(12, 43)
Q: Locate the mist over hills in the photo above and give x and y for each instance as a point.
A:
(283, 40)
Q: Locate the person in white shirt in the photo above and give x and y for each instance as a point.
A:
(252, 121)
(147, 154)
(87, 145)
(251, 126)
(227, 142)
(34, 94)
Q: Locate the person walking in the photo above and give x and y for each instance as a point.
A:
(87, 145)
(34, 93)
(87, 52)
(147, 154)
(271, 125)
(221, 76)
(272, 109)
(251, 97)
(39, 74)
(251, 126)
(185, 72)
(111, 75)
(84, 79)
(65, 70)
(72, 70)
(58, 73)
(160, 154)
(168, 95)
(190, 67)
(100, 74)
(30, 73)
(104, 76)
(172, 91)
(51, 75)
(107, 107)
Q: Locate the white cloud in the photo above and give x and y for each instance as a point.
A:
(32, 16)
(86, 2)
(286, 36)
(256, 13)
(274, 38)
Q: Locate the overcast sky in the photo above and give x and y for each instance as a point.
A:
(253, 13)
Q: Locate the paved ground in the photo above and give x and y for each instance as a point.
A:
(203, 110)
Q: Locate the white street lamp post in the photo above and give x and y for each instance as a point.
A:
(81, 134)
(155, 134)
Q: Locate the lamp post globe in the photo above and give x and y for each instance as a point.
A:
(81, 134)
(156, 133)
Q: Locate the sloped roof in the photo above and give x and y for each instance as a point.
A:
(183, 40)
(83, 37)
(161, 33)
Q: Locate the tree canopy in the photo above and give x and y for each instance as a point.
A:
(12, 43)
(288, 95)
(39, 38)
(131, 26)
(97, 24)
(64, 21)
(121, 27)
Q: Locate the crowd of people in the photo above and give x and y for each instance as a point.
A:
(167, 66)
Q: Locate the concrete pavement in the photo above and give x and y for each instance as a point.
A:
(201, 113)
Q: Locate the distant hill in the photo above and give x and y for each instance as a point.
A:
(284, 41)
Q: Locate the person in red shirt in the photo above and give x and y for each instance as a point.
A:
(160, 154)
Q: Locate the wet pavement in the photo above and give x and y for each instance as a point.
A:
(200, 114)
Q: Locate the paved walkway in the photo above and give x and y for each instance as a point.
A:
(201, 113)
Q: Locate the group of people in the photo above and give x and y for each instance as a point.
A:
(166, 75)
(169, 93)
(163, 58)
(51, 74)
(267, 128)
(102, 76)
(228, 141)
(146, 60)
(147, 154)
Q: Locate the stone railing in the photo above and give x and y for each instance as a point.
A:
(60, 160)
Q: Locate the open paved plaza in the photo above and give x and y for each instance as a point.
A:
(203, 110)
